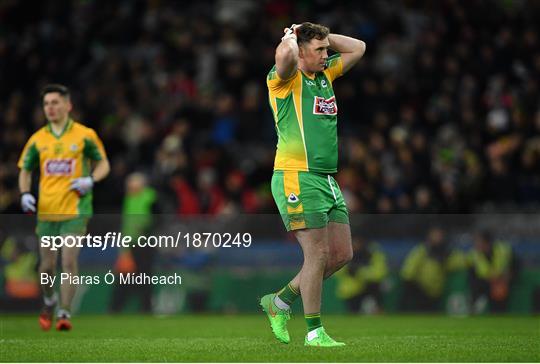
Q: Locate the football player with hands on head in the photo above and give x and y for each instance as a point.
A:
(303, 103)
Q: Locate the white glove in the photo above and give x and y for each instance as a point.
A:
(82, 185)
(28, 202)
(290, 32)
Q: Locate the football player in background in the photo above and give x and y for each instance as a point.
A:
(63, 150)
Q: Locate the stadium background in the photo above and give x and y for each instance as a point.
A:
(441, 116)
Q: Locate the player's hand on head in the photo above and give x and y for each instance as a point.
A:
(82, 185)
(28, 202)
(290, 29)
(290, 32)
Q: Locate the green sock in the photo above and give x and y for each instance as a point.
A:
(288, 294)
(313, 321)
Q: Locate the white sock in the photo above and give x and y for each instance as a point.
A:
(280, 304)
(312, 334)
(50, 301)
(62, 312)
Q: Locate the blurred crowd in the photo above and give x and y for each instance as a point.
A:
(492, 268)
(442, 114)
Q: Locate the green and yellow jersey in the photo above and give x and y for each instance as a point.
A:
(305, 114)
(62, 158)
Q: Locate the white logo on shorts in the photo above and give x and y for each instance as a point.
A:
(292, 198)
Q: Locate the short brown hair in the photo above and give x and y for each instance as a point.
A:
(55, 87)
(307, 31)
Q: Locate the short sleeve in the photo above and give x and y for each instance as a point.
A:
(334, 67)
(29, 158)
(279, 87)
(93, 147)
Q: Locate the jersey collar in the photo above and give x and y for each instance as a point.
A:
(67, 127)
(311, 78)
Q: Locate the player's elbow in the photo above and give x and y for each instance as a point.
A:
(24, 173)
(360, 48)
(25, 180)
(105, 168)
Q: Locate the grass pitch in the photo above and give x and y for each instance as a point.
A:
(248, 338)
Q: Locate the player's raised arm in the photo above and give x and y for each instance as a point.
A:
(287, 54)
(351, 49)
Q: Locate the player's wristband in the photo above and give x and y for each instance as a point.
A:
(25, 193)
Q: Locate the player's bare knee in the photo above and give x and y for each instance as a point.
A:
(322, 255)
(70, 266)
(345, 258)
(341, 258)
(346, 255)
(47, 268)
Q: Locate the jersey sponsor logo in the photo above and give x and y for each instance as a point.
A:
(322, 106)
(310, 83)
(59, 167)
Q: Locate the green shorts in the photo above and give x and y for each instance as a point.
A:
(308, 200)
(76, 226)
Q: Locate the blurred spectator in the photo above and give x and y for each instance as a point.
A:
(425, 270)
(440, 113)
(210, 193)
(138, 209)
(241, 198)
(493, 270)
(22, 291)
(359, 282)
(423, 200)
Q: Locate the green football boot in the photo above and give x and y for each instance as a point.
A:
(278, 318)
(321, 339)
